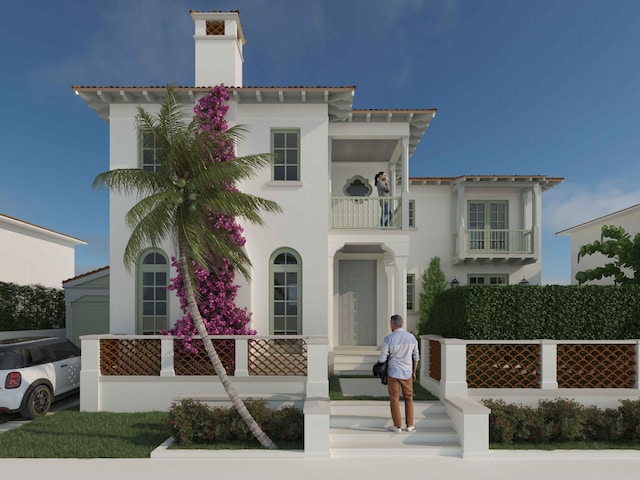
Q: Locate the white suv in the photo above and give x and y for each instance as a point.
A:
(36, 371)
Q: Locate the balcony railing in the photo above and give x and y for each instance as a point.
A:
(366, 213)
(497, 241)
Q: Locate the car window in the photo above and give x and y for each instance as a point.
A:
(9, 360)
(40, 355)
(64, 350)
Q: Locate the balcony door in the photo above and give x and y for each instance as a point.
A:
(357, 304)
(488, 225)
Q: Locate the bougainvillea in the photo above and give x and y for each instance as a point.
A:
(216, 290)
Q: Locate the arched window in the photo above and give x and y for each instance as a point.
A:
(285, 286)
(357, 186)
(153, 301)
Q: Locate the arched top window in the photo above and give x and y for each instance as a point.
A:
(152, 292)
(357, 186)
(285, 292)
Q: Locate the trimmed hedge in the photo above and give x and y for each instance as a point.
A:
(192, 422)
(30, 307)
(521, 312)
(563, 420)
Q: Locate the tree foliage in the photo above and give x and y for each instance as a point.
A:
(622, 249)
(433, 282)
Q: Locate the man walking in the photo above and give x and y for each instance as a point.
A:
(400, 348)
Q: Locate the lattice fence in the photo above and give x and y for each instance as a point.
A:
(278, 357)
(596, 366)
(435, 351)
(198, 364)
(503, 366)
(135, 357)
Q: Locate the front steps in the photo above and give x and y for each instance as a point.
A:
(359, 428)
(353, 360)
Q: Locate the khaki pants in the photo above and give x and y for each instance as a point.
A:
(394, 385)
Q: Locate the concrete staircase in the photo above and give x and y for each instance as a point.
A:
(359, 428)
(353, 360)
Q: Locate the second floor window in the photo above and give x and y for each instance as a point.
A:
(150, 153)
(285, 146)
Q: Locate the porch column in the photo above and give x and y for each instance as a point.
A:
(537, 220)
(401, 287)
(405, 183)
(389, 270)
(460, 221)
(331, 296)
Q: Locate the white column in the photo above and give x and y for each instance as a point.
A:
(405, 182)
(317, 367)
(242, 357)
(460, 219)
(549, 364)
(166, 357)
(401, 287)
(331, 297)
(453, 368)
(389, 270)
(90, 374)
(537, 221)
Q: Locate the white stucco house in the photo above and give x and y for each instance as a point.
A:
(325, 266)
(587, 232)
(34, 255)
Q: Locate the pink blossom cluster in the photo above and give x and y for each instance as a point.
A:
(216, 291)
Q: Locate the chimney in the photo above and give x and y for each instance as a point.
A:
(218, 40)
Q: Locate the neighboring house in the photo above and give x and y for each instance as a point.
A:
(87, 304)
(588, 232)
(325, 266)
(30, 254)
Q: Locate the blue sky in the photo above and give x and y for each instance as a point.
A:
(549, 87)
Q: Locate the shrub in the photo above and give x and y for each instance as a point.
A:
(509, 423)
(602, 425)
(193, 422)
(630, 414)
(563, 419)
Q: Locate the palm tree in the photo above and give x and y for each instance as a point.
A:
(177, 202)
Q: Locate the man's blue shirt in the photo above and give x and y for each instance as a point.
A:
(401, 348)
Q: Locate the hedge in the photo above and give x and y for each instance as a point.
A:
(30, 307)
(521, 312)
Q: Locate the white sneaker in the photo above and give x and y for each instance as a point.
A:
(394, 429)
(411, 428)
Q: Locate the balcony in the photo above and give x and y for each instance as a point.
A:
(365, 213)
(492, 244)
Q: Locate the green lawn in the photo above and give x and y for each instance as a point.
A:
(74, 434)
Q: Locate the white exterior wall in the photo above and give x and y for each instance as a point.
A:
(588, 233)
(32, 255)
(303, 223)
(123, 147)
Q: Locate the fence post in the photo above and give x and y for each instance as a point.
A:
(242, 357)
(90, 374)
(549, 364)
(454, 368)
(317, 366)
(167, 357)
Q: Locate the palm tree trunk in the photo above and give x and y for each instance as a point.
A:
(237, 402)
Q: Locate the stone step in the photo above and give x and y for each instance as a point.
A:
(360, 428)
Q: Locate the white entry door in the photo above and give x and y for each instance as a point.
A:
(357, 315)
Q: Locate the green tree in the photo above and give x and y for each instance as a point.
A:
(625, 252)
(177, 201)
(433, 282)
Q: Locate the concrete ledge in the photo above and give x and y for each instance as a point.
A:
(164, 452)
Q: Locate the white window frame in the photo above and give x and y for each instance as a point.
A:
(280, 154)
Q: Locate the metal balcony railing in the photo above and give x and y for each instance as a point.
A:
(366, 213)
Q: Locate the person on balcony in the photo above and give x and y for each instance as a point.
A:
(400, 349)
(382, 183)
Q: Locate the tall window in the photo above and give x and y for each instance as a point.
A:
(153, 301)
(411, 291)
(286, 293)
(150, 153)
(285, 146)
(488, 225)
(488, 279)
(412, 213)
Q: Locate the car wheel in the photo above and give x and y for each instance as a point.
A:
(38, 402)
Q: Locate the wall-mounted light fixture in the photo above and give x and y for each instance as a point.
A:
(454, 282)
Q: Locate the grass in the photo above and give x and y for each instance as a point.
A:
(335, 391)
(74, 434)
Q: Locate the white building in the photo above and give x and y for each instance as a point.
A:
(325, 266)
(31, 255)
(588, 232)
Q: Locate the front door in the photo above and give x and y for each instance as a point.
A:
(357, 315)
